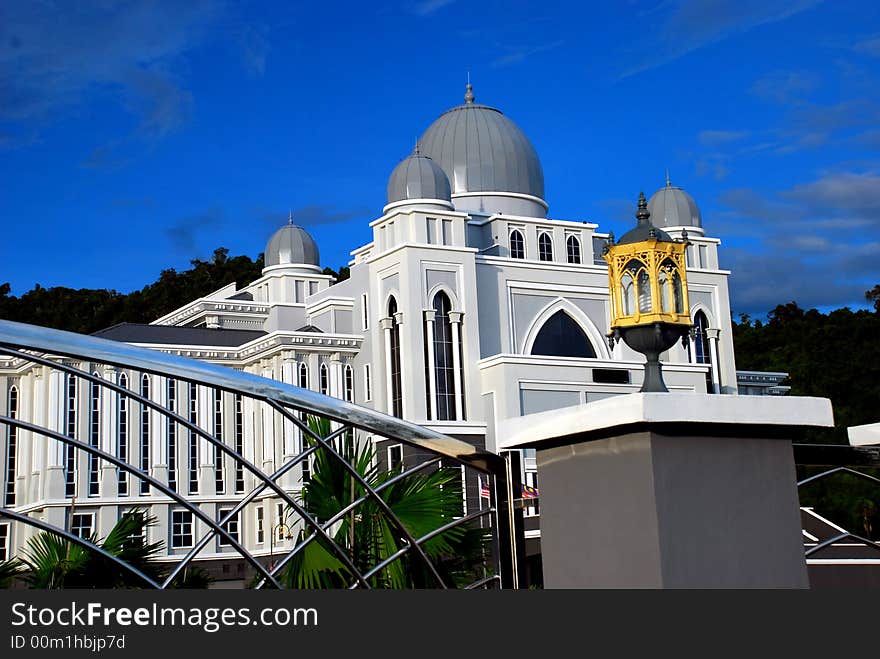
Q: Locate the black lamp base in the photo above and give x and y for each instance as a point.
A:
(651, 340)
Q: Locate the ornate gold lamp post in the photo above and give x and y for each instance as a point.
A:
(649, 299)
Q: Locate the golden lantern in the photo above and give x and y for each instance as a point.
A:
(647, 279)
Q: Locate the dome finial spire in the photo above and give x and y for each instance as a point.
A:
(469, 93)
(643, 215)
(290, 218)
(668, 183)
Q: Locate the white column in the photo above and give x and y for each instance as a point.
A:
(108, 472)
(404, 373)
(386, 324)
(455, 324)
(158, 422)
(38, 449)
(430, 315)
(56, 417)
(335, 375)
(267, 420)
(712, 335)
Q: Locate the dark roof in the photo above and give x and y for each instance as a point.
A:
(199, 336)
(310, 328)
(244, 295)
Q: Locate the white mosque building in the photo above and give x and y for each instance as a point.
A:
(469, 306)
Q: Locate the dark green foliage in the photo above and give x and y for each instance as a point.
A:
(834, 355)
(422, 502)
(874, 296)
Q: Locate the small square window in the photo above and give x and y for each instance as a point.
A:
(231, 527)
(82, 524)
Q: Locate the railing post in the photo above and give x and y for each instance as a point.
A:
(511, 539)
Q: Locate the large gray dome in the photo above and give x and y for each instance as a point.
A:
(673, 207)
(418, 177)
(481, 150)
(291, 245)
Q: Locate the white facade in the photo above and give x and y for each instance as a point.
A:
(464, 368)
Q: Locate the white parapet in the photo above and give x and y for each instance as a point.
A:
(867, 435)
(668, 408)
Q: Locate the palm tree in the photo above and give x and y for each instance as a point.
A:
(422, 502)
(51, 562)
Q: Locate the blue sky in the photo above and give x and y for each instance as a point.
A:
(135, 136)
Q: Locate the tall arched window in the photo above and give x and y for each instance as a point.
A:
(69, 451)
(394, 362)
(193, 452)
(644, 291)
(545, 247)
(11, 448)
(325, 379)
(239, 443)
(702, 353)
(517, 245)
(171, 433)
(303, 375)
(348, 376)
(94, 435)
(144, 451)
(573, 248)
(444, 369)
(219, 480)
(561, 336)
(627, 295)
(122, 436)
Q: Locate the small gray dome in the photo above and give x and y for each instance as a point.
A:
(673, 207)
(418, 177)
(481, 150)
(291, 245)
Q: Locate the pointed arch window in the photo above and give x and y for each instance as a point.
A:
(561, 336)
(69, 451)
(239, 443)
(545, 247)
(517, 245)
(325, 380)
(11, 448)
(122, 436)
(94, 435)
(573, 249)
(348, 377)
(171, 433)
(144, 448)
(444, 366)
(394, 362)
(702, 353)
(193, 447)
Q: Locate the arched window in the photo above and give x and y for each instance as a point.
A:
(394, 362)
(545, 247)
(644, 291)
(444, 369)
(627, 295)
(325, 380)
(193, 448)
(219, 480)
(171, 433)
(517, 245)
(94, 435)
(303, 375)
(11, 446)
(561, 336)
(349, 383)
(145, 434)
(573, 247)
(122, 436)
(239, 443)
(69, 451)
(701, 350)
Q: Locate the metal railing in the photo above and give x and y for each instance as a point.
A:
(45, 347)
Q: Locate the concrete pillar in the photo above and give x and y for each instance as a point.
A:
(455, 325)
(430, 316)
(675, 490)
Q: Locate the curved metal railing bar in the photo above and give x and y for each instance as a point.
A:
(327, 446)
(256, 471)
(483, 582)
(442, 529)
(51, 434)
(278, 396)
(843, 536)
(82, 542)
(58, 342)
(837, 470)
